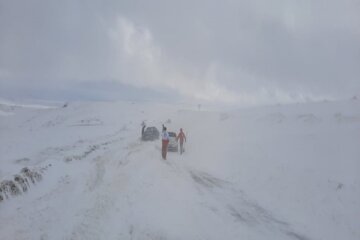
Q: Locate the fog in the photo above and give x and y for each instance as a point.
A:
(233, 52)
(98, 100)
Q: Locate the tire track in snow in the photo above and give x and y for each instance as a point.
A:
(90, 227)
(236, 204)
(91, 218)
(100, 186)
(88, 146)
(99, 191)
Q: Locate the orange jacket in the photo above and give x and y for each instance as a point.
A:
(181, 136)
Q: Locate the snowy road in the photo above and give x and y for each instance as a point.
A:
(108, 184)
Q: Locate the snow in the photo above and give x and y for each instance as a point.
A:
(276, 172)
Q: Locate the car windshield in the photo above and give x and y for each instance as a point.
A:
(172, 134)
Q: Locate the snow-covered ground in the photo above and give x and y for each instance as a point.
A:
(280, 172)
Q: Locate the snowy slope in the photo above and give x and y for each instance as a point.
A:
(282, 172)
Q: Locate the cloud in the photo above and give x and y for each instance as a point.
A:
(144, 64)
(249, 52)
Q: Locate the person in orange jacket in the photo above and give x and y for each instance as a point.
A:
(181, 136)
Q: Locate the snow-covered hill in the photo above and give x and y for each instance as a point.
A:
(281, 172)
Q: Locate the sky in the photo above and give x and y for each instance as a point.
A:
(237, 52)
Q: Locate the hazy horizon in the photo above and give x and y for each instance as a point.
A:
(237, 52)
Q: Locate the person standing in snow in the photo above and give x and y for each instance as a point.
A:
(181, 136)
(143, 129)
(165, 142)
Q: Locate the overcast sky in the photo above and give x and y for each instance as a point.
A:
(244, 52)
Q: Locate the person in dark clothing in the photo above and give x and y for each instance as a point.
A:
(143, 128)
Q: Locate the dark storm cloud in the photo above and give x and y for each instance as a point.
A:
(234, 51)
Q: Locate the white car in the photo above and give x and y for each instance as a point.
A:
(173, 144)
